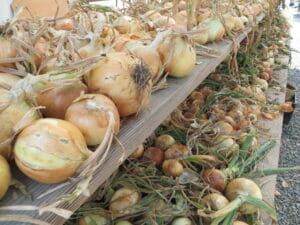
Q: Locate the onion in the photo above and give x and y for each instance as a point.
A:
(91, 114)
(215, 178)
(122, 24)
(181, 59)
(64, 24)
(200, 38)
(15, 112)
(125, 79)
(254, 109)
(123, 199)
(7, 51)
(262, 83)
(120, 42)
(182, 5)
(215, 201)
(225, 145)
(286, 107)
(138, 153)
(176, 151)
(172, 167)
(239, 223)
(182, 221)
(41, 48)
(5, 176)
(229, 21)
(181, 18)
(204, 14)
(223, 127)
(246, 187)
(164, 21)
(164, 141)
(239, 24)
(7, 80)
(154, 154)
(58, 95)
(93, 219)
(123, 222)
(50, 150)
(216, 30)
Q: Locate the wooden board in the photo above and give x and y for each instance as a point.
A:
(274, 128)
(132, 134)
(40, 8)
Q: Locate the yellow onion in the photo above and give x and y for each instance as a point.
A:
(201, 37)
(122, 24)
(154, 154)
(179, 55)
(109, 34)
(5, 176)
(91, 114)
(239, 223)
(176, 151)
(164, 141)
(15, 112)
(123, 222)
(148, 55)
(225, 145)
(41, 49)
(204, 14)
(7, 81)
(138, 153)
(229, 21)
(125, 79)
(239, 24)
(215, 201)
(120, 42)
(223, 127)
(215, 178)
(172, 167)
(64, 24)
(242, 186)
(164, 21)
(182, 221)
(93, 219)
(7, 51)
(50, 150)
(58, 95)
(123, 200)
(93, 48)
(216, 30)
(262, 83)
(181, 18)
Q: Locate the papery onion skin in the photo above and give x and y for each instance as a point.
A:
(93, 219)
(123, 199)
(125, 79)
(216, 201)
(243, 186)
(50, 150)
(7, 51)
(5, 176)
(7, 80)
(182, 221)
(176, 151)
(90, 113)
(41, 48)
(59, 96)
(215, 178)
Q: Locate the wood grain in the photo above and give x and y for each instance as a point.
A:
(134, 131)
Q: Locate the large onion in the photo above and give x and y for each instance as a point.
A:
(243, 186)
(58, 95)
(179, 56)
(15, 112)
(125, 79)
(5, 176)
(50, 150)
(123, 199)
(91, 114)
(7, 80)
(7, 51)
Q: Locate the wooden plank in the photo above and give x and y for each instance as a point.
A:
(132, 134)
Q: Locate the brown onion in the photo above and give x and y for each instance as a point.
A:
(164, 141)
(50, 150)
(58, 95)
(172, 167)
(243, 186)
(176, 151)
(125, 79)
(215, 178)
(91, 114)
(7, 81)
(154, 154)
(5, 176)
(215, 201)
(123, 200)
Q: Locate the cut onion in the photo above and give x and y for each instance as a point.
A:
(5, 176)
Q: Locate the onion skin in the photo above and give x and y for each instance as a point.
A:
(125, 79)
(182, 221)
(5, 176)
(64, 24)
(215, 201)
(90, 113)
(243, 186)
(93, 219)
(41, 47)
(215, 178)
(164, 141)
(59, 96)
(172, 167)
(7, 51)
(239, 223)
(50, 150)
(7, 80)
(176, 151)
(155, 154)
(183, 58)
(123, 199)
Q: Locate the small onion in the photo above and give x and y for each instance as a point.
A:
(50, 150)
(261, 83)
(93, 219)
(172, 167)
(176, 151)
(90, 113)
(5, 176)
(239, 223)
(243, 186)
(182, 221)
(215, 178)
(7, 51)
(125, 79)
(138, 153)
(215, 201)
(179, 55)
(154, 154)
(7, 81)
(223, 127)
(58, 95)
(164, 141)
(123, 199)
(123, 222)
(224, 145)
